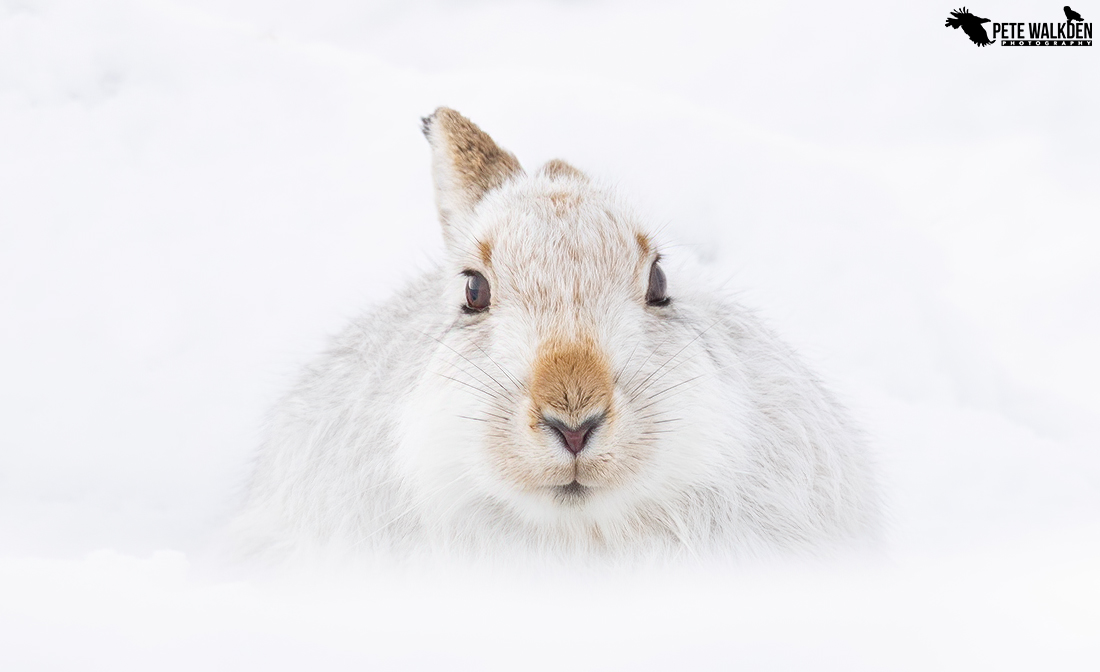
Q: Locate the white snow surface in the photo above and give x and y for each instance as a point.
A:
(195, 194)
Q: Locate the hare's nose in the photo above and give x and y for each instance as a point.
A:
(574, 438)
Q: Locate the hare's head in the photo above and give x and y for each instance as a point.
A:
(570, 384)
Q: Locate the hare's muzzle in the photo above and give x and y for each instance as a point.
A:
(571, 390)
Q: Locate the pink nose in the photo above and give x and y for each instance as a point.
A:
(574, 438)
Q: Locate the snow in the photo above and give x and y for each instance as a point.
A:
(195, 194)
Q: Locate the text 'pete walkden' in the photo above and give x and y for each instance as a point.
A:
(1044, 34)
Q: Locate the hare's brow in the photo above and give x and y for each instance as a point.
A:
(485, 250)
(643, 243)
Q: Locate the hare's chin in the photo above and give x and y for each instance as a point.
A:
(572, 494)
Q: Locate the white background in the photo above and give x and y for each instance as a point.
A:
(194, 194)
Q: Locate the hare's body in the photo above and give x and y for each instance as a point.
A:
(570, 406)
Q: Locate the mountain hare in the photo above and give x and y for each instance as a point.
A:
(549, 392)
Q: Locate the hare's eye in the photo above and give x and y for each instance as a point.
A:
(658, 287)
(477, 292)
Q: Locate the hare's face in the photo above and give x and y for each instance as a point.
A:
(560, 386)
(561, 382)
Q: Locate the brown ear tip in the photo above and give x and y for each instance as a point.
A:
(555, 168)
(441, 114)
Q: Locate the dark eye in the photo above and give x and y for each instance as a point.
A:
(477, 292)
(658, 287)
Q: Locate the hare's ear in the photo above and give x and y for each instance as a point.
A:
(556, 168)
(466, 164)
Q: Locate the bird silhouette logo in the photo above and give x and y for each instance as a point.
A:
(971, 25)
(1071, 15)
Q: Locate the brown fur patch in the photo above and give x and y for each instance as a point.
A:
(486, 251)
(479, 165)
(643, 243)
(573, 379)
(556, 168)
(563, 202)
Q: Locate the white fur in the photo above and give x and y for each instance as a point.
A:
(725, 443)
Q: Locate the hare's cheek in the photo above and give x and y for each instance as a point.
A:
(521, 459)
(439, 430)
(620, 457)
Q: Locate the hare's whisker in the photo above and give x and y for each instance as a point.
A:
(474, 380)
(686, 345)
(629, 357)
(472, 386)
(510, 377)
(672, 387)
(491, 415)
(656, 401)
(474, 364)
(638, 392)
(646, 360)
(493, 399)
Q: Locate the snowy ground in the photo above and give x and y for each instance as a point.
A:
(195, 193)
